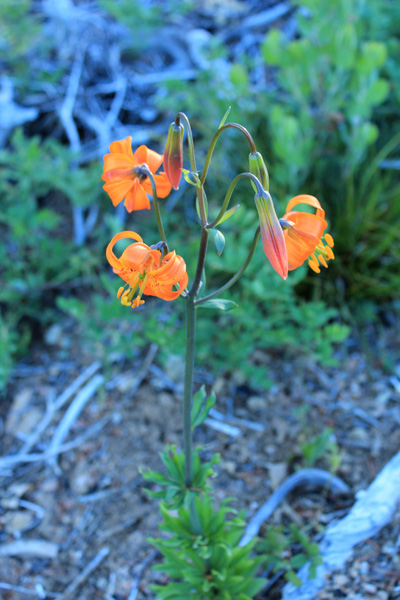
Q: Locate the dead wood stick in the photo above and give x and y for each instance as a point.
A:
(138, 377)
(313, 477)
(41, 548)
(72, 413)
(215, 414)
(53, 407)
(38, 591)
(141, 569)
(83, 575)
(11, 461)
(223, 427)
(373, 510)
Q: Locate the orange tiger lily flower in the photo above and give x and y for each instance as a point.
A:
(124, 176)
(145, 271)
(304, 235)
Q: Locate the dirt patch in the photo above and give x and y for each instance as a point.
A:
(96, 500)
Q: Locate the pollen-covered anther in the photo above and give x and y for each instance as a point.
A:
(120, 291)
(329, 240)
(314, 266)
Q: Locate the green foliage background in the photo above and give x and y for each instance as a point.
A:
(325, 115)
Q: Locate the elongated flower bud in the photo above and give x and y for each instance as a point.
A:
(272, 236)
(258, 168)
(173, 154)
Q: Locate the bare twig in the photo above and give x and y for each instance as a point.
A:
(136, 379)
(73, 413)
(223, 427)
(215, 414)
(10, 461)
(41, 548)
(141, 569)
(53, 407)
(372, 511)
(87, 571)
(39, 592)
(311, 477)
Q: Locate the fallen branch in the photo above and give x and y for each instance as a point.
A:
(11, 461)
(40, 548)
(53, 407)
(141, 569)
(372, 511)
(39, 591)
(73, 412)
(309, 477)
(223, 427)
(87, 571)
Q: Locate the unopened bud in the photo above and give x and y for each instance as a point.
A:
(258, 168)
(272, 236)
(173, 154)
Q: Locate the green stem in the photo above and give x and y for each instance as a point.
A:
(188, 389)
(194, 290)
(214, 141)
(149, 174)
(233, 279)
(193, 166)
(230, 192)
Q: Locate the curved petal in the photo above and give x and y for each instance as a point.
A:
(164, 291)
(137, 198)
(298, 248)
(112, 259)
(307, 224)
(117, 161)
(172, 269)
(117, 190)
(135, 255)
(163, 185)
(306, 199)
(153, 160)
(122, 147)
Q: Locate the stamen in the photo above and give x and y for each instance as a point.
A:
(329, 252)
(323, 261)
(119, 293)
(329, 240)
(314, 266)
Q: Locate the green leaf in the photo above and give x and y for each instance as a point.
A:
(201, 407)
(219, 304)
(228, 214)
(224, 118)
(219, 240)
(293, 578)
(272, 48)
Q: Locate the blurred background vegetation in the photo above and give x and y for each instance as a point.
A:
(318, 86)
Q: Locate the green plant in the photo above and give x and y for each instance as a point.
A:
(288, 551)
(324, 446)
(38, 256)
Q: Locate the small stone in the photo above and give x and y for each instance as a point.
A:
(229, 466)
(382, 595)
(340, 580)
(53, 335)
(256, 403)
(277, 473)
(364, 568)
(175, 368)
(369, 588)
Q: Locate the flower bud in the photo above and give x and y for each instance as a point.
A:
(272, 236)
(173, 154)
(258, 168)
